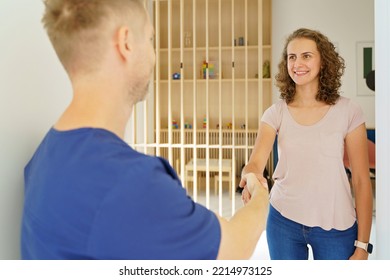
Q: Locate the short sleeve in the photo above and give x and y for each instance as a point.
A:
(355, 115)
(273, 115)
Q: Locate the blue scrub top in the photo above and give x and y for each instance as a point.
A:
(88, 195)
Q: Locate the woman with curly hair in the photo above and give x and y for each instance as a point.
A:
(311, 201)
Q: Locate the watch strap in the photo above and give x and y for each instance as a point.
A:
(365, 246)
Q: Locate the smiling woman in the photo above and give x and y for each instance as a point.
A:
(314, 125)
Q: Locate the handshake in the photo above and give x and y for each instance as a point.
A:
(252, 185)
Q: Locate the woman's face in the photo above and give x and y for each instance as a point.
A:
(303, 61)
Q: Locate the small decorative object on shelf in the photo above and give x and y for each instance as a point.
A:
(176, 76)
(266, 69)
(213, 69)
(229, 125)
(242, 126)
(204, 123)
(187, 125)
(241, 41)
(204, 69)
(175, 125)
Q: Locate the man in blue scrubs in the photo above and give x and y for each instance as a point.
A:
(88, 195)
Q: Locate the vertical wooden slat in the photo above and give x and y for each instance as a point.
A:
(233, 103)
(207, 109)
(182, 77)
(149, 8)
(260, 54)
(260, 66)
(246, 80)
(158, 78)
(269, 9)
(220, 107)
(170, 158)
(194, 101)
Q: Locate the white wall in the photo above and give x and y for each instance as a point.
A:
(34, 91)
(382, 87)
(344, 21)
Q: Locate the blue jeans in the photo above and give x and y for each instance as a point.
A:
(288, 240)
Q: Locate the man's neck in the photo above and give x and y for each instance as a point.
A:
(97, 107)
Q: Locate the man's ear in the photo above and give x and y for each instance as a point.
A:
(124, 41)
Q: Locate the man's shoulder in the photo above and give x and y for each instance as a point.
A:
(90, 143)
(88, 150)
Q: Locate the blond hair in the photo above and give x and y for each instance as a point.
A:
(80, 30)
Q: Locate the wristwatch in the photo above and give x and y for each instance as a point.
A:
(365, 246)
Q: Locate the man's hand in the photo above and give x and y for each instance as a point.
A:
(251, 183)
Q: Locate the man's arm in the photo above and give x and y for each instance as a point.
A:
(241, 233)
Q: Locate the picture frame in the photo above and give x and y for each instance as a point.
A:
(365, 64)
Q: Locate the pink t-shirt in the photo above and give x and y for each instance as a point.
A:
(311, 186)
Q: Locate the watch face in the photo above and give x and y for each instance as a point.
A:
(369, 248)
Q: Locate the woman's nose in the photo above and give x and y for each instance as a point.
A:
(297, 61)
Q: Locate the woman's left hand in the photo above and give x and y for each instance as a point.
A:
(359, 254)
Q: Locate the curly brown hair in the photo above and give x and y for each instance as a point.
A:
(332, 68)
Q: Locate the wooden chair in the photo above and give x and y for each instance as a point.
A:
(225, 178)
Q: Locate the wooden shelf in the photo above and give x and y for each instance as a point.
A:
(213, 130)
(223, 48)
(191, 81)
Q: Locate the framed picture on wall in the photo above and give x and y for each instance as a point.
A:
(365, 67)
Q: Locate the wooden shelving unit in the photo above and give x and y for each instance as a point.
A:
(191, 32)
(212, 112)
